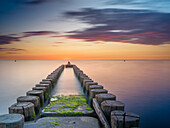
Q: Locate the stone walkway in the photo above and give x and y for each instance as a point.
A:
(64, 122)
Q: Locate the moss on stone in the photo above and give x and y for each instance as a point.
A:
(55, 122)
(68, 105)
(89, 109)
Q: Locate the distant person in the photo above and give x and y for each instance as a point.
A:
(68, 62)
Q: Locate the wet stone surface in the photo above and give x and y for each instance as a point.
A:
(65, 122)
(67, 105)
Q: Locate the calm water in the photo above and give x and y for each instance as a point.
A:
(144, 86)
(68, 84)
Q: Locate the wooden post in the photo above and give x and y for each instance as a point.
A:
(110, 105)
(101, 97)
(33, 99)
(100, 114)
(87, 80)
(44, 85)
(51, 80)
(93, 92)
(88, 84)
(44, 89)
(38, 93)
(47, 82)
(25, 108)
(83, 78)
(54, 78)
(95, 87)
(11, 121)
(120, 119)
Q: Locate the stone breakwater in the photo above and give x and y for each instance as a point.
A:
(68, 111)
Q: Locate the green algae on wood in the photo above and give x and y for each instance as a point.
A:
(33, 116)
(68, 105)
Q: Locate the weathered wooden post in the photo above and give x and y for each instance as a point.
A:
(87, 80)
(25, 108)
(44, 85)
(120, 119)
(44, 89)
(94, 92)
(101, 97)
(78, 73)
(51, 80)
(87, 86)
(54, 78)
(38, 93)
(11, 121)
(95, 87)
(83, 78)
(47, 82)
(33, 99)
(99, 112)
(108, 106)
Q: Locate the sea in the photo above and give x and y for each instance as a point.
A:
(144, 86)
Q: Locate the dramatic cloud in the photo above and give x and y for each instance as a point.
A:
(159, 5)
(37, 2)
(11, 49)
(32, 2)
(122, 25)
(5, 39)
(13, 53)
(37, 33)
(8, 39)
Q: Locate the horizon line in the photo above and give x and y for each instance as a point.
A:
(97, 59)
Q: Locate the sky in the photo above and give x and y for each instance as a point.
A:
(84, 29)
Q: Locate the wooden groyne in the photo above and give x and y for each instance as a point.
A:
(109, 111)
(105, 111)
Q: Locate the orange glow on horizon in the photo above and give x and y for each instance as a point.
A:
(72, 49)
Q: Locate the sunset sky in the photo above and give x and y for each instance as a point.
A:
(84, 29)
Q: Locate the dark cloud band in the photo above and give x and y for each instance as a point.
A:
(123, 25)
(8, 39)
(5, 39)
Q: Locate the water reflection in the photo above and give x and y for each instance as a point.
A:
(67, 84)
(16, 78)
(144, 86)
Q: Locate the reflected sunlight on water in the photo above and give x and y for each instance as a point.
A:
(68, 84)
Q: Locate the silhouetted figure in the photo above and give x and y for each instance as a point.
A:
(69, 63)
(15, 60)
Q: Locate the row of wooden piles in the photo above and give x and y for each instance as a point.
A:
(31, 104)
(110, 112)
